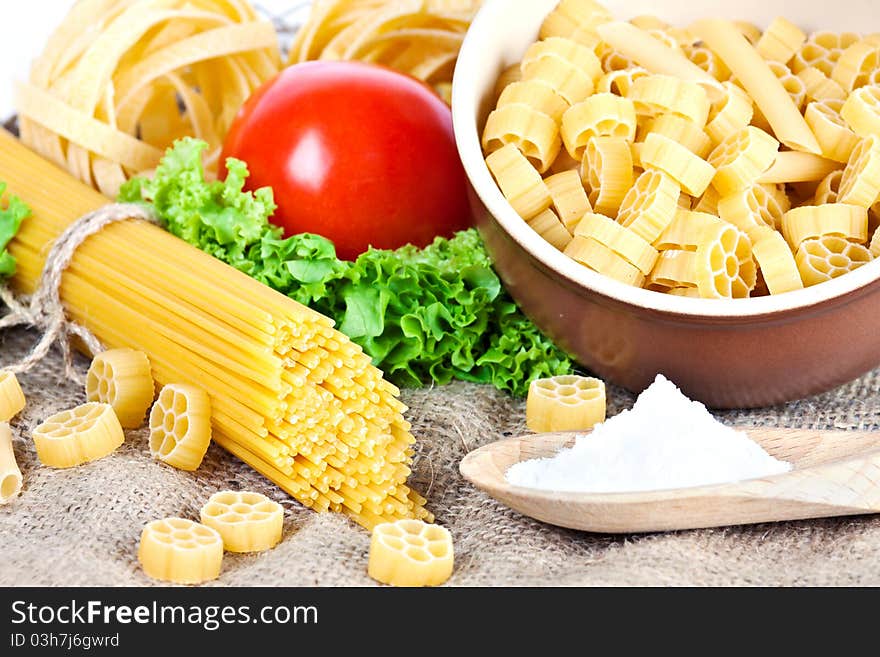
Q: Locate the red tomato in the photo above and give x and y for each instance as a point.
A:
(358, 153)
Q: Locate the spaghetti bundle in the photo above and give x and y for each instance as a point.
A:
(118, 82)
(292, 397)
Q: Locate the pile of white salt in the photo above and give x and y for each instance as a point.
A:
(665, 441)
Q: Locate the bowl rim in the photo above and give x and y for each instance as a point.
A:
(466, 97)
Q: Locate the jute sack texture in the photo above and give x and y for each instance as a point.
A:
(81, 526)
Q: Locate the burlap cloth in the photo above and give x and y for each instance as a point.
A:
(81, 526)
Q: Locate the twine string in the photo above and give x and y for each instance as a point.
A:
(43, 310)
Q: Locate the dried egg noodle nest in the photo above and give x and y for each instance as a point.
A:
(120, 80)
(418, 37)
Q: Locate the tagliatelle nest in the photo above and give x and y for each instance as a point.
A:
(419, 37)
(120, 80)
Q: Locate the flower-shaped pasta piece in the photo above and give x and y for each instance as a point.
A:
(569, 197)
(874, 246)
(619, 82)
(708, 202)
(565, 78)
(180, 426)
(860, 184)
(682, 130)
(567, 50)
(519, 181)
(828, 189)
(12, 401)
(776, 261)
(754, 207)
(708, 61)
(607, 172)
(856, 64)
(690, 292)
(534, 133)
(508, 76)
(650, 205)
(535, 94)
(685, 232)
(569, 68)
(600, 115)
(620, 239)
(825, 258)
(661, 94)
(548, 226)
(571, 16)
(122, 378)
(741, 158)
(750, 31)
(822, 50)
(675, 268)
(411, 553)
(724, 265)
(603, 260)
(862, 111)
(692, 173)
(180, 551)
(247, 522)
(82, 434)
(780, 41)
(565, 403)
(835, 138)
(614, 61)
(819, 86)
(730, 113)
(811, 221)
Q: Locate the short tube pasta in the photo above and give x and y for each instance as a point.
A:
(12, 400)
(10, 475)
(652, 53)
(760, 82)
(794, 166)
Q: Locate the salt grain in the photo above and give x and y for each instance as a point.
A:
(665, 441)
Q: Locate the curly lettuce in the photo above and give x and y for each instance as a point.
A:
(10, 221)
(423, 315)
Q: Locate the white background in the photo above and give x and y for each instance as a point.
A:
(27, 26)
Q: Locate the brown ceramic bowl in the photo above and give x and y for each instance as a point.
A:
(725, 353)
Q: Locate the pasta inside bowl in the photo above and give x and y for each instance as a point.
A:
(502, 33)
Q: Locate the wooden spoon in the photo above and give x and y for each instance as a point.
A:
(835, 473)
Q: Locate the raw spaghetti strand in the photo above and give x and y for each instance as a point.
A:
(44, 310)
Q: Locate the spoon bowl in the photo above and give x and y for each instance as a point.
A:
(835, 473)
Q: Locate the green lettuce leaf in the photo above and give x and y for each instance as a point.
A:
(10, 221)
(423, 315)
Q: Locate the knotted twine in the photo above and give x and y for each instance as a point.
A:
(43, 309)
